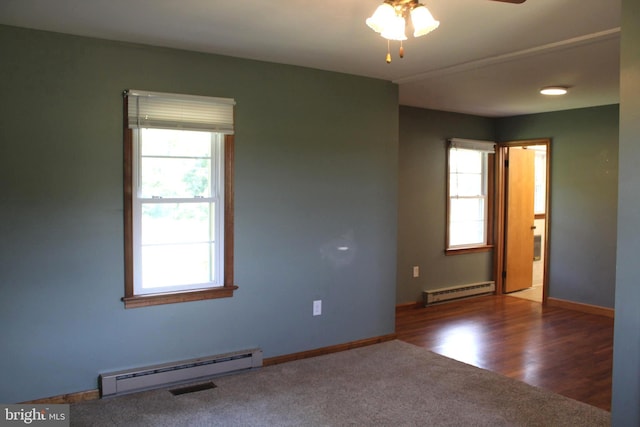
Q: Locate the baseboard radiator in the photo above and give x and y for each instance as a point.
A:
(436, 296)
(130, 381)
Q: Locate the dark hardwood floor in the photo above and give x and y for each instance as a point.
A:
(565, 351)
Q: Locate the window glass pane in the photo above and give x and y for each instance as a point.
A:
(175, 177)
(176, 223)
(175, 163)
(466, 184)
(464, 210)
(171, 265)
(175, 143)
(468, 233)
(469, 161)
(540, 182)
(467, 221)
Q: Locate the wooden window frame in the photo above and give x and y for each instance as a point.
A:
(130, 299)
(490, 199)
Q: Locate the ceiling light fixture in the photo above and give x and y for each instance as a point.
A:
(554, 90)
(391, 17)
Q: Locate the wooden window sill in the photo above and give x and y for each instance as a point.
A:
(176, 297)
(460, 251)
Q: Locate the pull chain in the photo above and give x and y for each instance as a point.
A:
(388, 59)
(388, 53)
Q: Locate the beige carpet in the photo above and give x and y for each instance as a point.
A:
(388, 384)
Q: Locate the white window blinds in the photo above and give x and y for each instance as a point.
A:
(472, 144)
(176, 111)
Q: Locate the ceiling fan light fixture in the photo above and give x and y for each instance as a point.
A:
(391, 17)
(554, 90)
(423, 21)
(390, 20)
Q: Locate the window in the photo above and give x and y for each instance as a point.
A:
(178, 198)
(469, 191)
(540, 200)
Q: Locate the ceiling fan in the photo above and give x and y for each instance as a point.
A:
(391, 17)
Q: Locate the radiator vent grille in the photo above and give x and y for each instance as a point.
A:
(123, 382)
(436, 296)
(182, 366)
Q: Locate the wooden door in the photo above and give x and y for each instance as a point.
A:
(519, 218)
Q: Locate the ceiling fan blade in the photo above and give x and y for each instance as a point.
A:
(512, 1)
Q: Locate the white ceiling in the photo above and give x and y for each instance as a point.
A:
(486, 58)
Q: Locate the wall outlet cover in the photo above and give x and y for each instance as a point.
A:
(317, 307)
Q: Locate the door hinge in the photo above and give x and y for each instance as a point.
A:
(506, 163)
(504, 274)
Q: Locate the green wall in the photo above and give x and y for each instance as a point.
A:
(316, 168)
(422, 199)
(625, 406)
(584, 182)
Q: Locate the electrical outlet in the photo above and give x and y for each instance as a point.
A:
(317, 307)
(416, 271)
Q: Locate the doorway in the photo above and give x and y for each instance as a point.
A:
(521, 261)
